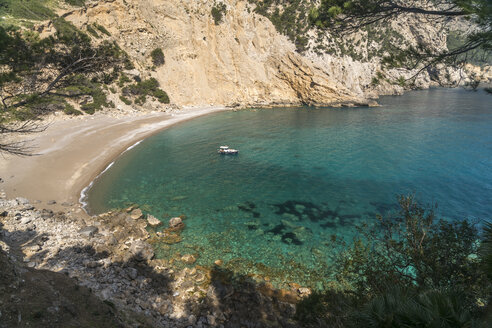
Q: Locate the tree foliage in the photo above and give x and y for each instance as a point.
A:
(414, 249)
(342, 17)
(218, 11)
(408, 270)
(157, 57)
(37, 75)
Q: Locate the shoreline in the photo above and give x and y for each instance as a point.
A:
(72, 152)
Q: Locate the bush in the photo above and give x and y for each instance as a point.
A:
(157, 57)
(76, 3)
(124, 79)
(99, 101)
(70, 110)
(92, 31)
(414, 249)
(125, 100)
(162, 96)
(32, 10)
(407, 308)
(102, 29)
(218, 11)
(146, 88)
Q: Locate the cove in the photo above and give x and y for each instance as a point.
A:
(304, 175)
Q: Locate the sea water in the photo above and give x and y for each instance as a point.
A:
(303, 176)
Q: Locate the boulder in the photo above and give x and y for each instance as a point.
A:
(140, 251)
(46, 214)
(175, 222)
(88, 231)
(22, 201)
(136, 214)
(132, 273)
(153, 221)
(25, 220)
(133, 73)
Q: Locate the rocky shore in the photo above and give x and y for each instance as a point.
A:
(112, 256)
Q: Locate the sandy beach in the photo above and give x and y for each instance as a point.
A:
(72, 152)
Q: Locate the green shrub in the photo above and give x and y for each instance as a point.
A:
(414, 249)
(146, 88)
(32, 10)
(218, 12)
(92, 31)
(125, 100)
(161, 96)
(157, 57)
(68, 33)
(99, 101)
(70, 110)
(102, 29)
(400, 307)
(77, 3)
(124, 79)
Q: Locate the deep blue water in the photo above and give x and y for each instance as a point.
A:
(303, 175)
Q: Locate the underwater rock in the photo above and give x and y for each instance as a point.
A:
(303, 291)
(171, 238)
(291, 238)
(230, 208)
(179, 198)
(289, 224)
(153, 221)
(175, 222)
(188, 258)
(299, 207)
(249, 208)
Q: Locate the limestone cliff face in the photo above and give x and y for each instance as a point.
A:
(245, 61)
(242, 60)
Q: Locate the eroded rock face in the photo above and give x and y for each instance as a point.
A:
(242, 61)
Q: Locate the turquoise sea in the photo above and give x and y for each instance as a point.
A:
(304, 175)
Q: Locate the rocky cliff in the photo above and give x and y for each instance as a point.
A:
(242, 60)
(236, 56)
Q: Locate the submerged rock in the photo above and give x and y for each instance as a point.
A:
(188, 258)
(175, 222)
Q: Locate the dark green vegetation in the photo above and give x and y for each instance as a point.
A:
(140, 90)
(409, 270)
(344, 17)
(64, 72)
(477, 56)
(289, 18)
(43, 75)
(32, 9)
(218, 11)
(157, 57)
(341, 18)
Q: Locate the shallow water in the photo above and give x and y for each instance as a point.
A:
(303, 175)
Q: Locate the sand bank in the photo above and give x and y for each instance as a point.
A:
(72, 152)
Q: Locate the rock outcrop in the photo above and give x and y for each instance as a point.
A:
(54, 264)
(241, 61)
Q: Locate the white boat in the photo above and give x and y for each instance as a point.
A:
(225, 150)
